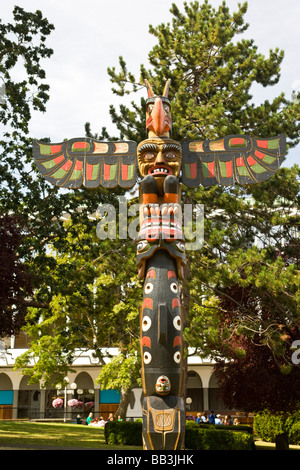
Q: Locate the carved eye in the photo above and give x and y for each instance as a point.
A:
(167, 108)
(177, 322)
(149, 156)
(141, 245)
(174, 287)
(147, 357)
(148, 288)
(170, 155)
(180, 246)
(177, 357)
(146, 323)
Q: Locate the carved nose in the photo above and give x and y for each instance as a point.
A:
(159, 158)
(158, 116)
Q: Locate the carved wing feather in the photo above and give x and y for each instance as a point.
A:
(233, 159)
(88, 162)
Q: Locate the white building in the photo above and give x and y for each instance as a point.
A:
(20, 400)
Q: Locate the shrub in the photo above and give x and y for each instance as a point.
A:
(196, 437)
(268, 425)
(214, 438)
(123, 433)
(294, 433)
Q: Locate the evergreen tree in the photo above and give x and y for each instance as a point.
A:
(237, 290)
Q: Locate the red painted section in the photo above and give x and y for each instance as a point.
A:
(172, 274)
(175, 302)
(67, 165)
(78, 165)
(80, 145)
(151, 273)
(240, 161)
(193, 168)
(211, 169)
(125, 172)
(259, 154)
(229, 169)
(59, 159)
(55, 148)
(251, 161)
(146, 341)
(177, 341)
(89, 171)
(262, 143)
(106, 172)
(148, 303)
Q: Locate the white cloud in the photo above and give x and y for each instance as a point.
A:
(89, 36)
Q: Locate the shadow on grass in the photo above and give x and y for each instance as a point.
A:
(60, 435)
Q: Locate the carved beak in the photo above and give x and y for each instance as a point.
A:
(159, 122)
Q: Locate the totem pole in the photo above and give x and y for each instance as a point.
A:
(160, 246)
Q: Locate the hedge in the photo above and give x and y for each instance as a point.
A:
(196, 437)
(268, 425)
(123, 433)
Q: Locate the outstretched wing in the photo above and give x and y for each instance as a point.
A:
(235, 158)
(88, 162)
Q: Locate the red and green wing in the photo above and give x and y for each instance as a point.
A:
(87, 162)
(233, 159)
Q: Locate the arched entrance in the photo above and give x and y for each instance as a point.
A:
(85, 394)
(6, 397)
(215, 400)
(195, 392)
(29, 400)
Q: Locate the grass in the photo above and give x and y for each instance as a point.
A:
(57, 435)
(63, 435)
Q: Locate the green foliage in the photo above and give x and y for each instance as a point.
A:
(268, 425)
(212, 73)
(124, 433)
(196, 437)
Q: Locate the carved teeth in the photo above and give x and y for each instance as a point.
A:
(160, 170)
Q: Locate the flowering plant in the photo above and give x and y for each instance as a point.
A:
(89, 404)
(73, 403)
(57, 403)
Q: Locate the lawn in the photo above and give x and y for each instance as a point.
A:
(54, 435)
(63, 435)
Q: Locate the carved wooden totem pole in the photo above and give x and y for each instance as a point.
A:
(160, 246)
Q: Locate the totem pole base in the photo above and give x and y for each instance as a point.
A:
(163, 423)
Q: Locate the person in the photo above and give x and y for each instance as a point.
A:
(211, 418)
(89, 419)
(201, 418)
(218, 419)
(236, 422)
(228, 420)
(119, 418)
(101, 422)
(110, 417)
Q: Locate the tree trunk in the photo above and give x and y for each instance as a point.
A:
(124, 402)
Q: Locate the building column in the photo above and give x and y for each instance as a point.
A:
(42, 403)
(206, 399)
(15, 404)
(97, 400)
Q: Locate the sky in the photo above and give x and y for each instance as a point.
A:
(90, 36)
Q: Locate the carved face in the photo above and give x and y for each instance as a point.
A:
(159, 157)
(161, 330)
(158, 116)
